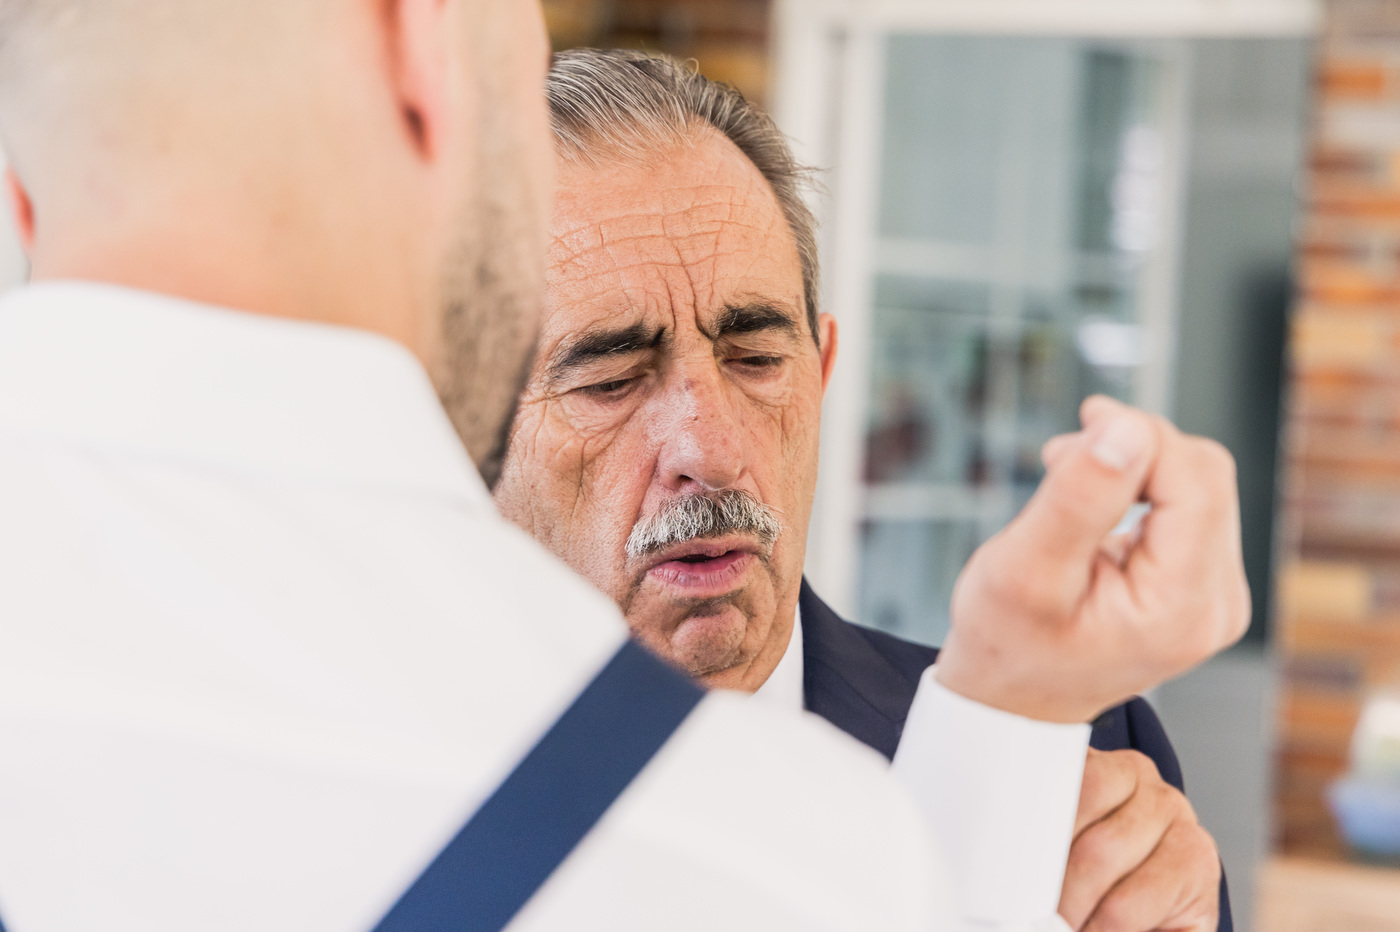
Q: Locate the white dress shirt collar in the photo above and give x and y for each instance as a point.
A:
(227, 388)
(785, 685)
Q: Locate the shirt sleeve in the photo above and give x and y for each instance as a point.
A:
(1000, 793)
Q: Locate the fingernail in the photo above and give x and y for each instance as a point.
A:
(1123, 441)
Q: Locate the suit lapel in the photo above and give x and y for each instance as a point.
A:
(847, 681)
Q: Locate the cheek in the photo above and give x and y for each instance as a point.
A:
(575, 489)
(611, 473)
(612, 484)
(784, 431)
(543, 470)
(787, 450)
(801, 434)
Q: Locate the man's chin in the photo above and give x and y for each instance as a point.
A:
(708, 644)
(707, 641)
(713, 636)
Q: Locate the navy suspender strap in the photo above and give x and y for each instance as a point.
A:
(555, 795)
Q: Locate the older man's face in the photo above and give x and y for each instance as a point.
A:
(677, 393)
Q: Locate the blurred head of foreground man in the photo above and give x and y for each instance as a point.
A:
(666, 448)
(377, 165)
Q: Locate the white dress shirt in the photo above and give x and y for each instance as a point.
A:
(265, 644)
(784, 686)
(1006, 837)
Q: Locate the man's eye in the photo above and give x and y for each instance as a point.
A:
(604, 389)
(760, 362)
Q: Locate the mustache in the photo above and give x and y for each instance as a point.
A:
(713, 514)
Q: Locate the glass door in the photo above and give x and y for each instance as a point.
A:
(1005, 194)
(1024, 192)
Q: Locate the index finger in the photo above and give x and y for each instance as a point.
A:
(1092, 478)
(1191, 543)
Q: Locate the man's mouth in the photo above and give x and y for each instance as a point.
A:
(704, 568)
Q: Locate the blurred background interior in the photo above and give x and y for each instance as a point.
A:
(1193, 205)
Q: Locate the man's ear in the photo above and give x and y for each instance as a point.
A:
(419, 66)
(21, 210)
(826, 330)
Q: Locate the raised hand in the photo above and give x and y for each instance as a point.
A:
(1051, 622)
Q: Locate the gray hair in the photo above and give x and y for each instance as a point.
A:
(729, 511)
(626, 103)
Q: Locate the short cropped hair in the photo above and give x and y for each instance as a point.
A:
(626, 103)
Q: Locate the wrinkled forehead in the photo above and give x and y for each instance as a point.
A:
(676, 238)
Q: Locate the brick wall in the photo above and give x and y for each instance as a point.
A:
(1338, 624)
(727, 38)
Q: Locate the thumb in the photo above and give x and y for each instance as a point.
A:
(1092, 480)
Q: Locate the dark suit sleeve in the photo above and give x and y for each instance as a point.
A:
(1146, 734)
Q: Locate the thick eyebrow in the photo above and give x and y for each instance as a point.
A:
(592, 345)
(753, 317)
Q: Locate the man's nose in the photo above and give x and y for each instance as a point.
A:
(701, 434)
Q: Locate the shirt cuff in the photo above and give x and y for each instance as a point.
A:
(1000, 793)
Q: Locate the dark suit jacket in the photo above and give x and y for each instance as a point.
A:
(863, 682)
